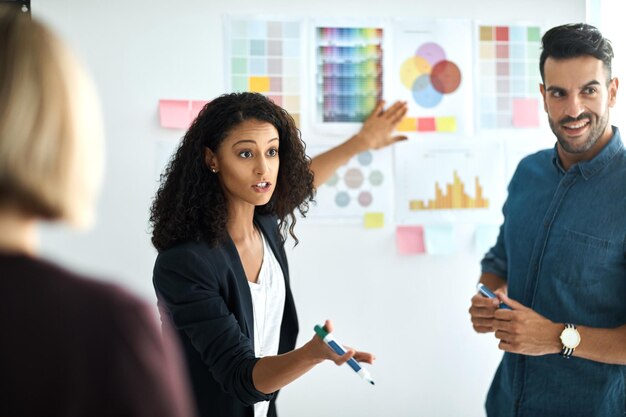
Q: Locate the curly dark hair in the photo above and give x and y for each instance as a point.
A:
(573, 40)
(190, 204)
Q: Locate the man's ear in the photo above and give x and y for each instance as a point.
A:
(614, 84)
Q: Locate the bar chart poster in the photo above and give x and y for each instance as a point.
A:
(432, 71)
(265, 56)
(445, 182)
(349, 73)
(361, 188)
(508, 77)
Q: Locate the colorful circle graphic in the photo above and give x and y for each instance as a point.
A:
(365, 198)
(342, 199)
(429, 75)
(412, 68)
(445, 76)
(424, 93)
(431, 52)
(354, 178)
(356, 186)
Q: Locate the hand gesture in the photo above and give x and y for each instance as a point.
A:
(522, 330)
(378, 128)
(482, 312)
(323, 351)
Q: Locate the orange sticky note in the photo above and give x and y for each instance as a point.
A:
(408, 124)
(259, 84)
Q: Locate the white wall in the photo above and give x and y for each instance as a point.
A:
(410, 311)
(613, 28)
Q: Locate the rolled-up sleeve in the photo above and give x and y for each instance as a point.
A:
(187, 285)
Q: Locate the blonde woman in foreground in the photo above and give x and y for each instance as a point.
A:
(70, 346)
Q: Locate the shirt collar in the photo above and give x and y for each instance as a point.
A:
(589, 168)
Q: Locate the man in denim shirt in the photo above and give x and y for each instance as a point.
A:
(560, 255)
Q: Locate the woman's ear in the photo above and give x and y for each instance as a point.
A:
(210, 160)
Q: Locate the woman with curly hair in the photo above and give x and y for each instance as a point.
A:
(220, 220)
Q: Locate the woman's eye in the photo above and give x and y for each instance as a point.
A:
(273, 152)
(245, 154)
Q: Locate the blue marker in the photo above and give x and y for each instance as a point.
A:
(336, 347)
(487, 293)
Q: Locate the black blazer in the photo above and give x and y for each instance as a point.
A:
(204, 291)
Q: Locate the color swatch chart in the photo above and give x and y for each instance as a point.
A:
(508, 76)
(349, 73)
(265, 57)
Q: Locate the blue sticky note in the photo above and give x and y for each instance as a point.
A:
(439, 239)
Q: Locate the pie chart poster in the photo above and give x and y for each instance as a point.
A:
(432, 67)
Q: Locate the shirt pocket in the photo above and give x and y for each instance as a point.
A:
(584, 260)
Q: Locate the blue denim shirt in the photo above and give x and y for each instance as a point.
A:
(562, 251)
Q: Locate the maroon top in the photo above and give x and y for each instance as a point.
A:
(73, 346)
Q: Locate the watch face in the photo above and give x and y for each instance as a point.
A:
(570, 338)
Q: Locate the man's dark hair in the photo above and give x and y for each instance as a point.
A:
(574, 40)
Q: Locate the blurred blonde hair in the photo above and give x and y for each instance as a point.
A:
(50, 125)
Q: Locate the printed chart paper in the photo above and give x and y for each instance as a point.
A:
(447, 182)
(265, 56)
(349, 72)
(432, 71)
(359, 192)
(508, 78)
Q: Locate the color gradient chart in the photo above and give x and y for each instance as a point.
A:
(508, 76)
(360, 188)
(264, 56)
(349, 73)
(445, 182)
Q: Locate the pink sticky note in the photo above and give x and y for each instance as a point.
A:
(196, 106)
(410, 240)
(525, 112)
(174, 113)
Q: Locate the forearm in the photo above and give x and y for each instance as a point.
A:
(602, 345)
(271, 373)
(325, 164)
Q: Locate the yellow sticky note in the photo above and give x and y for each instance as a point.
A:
(374, 220)
(446, 124)
(259, 84)
(408, 124)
